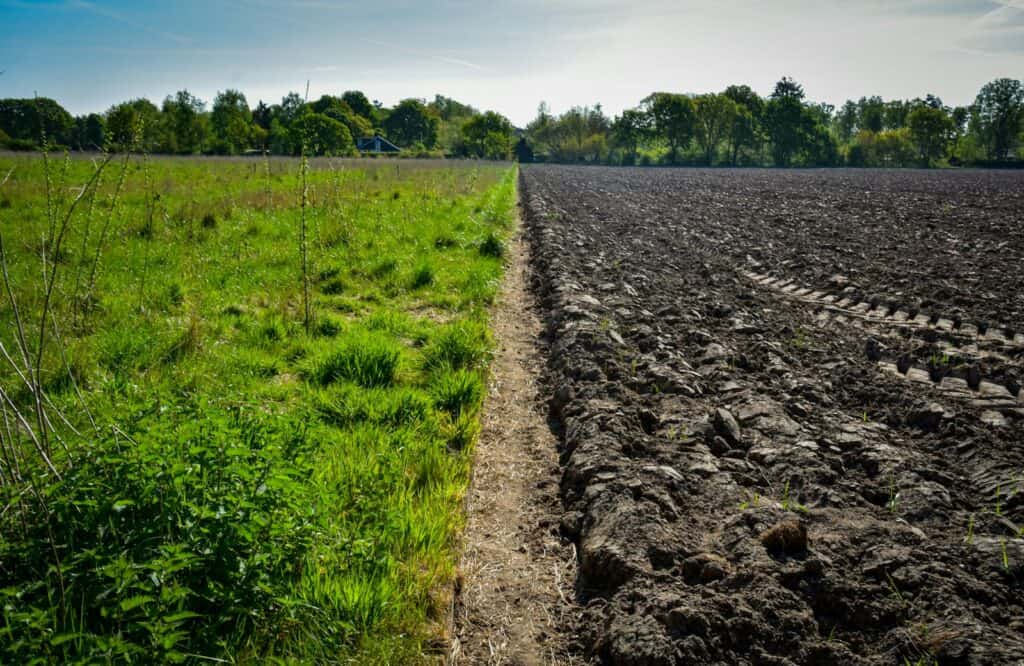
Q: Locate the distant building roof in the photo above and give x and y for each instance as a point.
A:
(376, 144)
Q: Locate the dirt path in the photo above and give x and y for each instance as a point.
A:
(515, 598)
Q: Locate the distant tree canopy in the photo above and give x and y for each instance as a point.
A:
(359, 104)
(338, 109)
(134, 125)
(733, 127)
(739, 127)
(232, 122)
(713, 116)
(188, 129)
(410, 123)
(322, 134)
(672, 119)
(931, 129)
(488, 135)
(997, 117)
(33, 119)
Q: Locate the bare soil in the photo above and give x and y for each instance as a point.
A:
(793, 425)
(514, 601)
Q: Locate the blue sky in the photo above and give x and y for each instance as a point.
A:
(504, 55)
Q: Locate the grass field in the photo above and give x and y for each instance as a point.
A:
(239, 402)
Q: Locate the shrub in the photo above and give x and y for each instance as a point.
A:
(366, 359)
(186, 541)
(22, 145)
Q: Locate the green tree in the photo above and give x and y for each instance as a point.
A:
(997, 116)
(90, 132)
(673, 120)
(232, 122)
(581, 131)
(871, 113)
(134, 125)
(453, 115)
(281, 140)
(411, 122)
(628, 130)
(450, 109)
(931, 129)
(320, 134)
(488, 135)
(291, 105)
(31, 119)
(523, 151)
(745, 132)
(785, 120)
(846, 121)
(541, 131)
(359, 104)
(894, 148)
(336, 108)
(713, 117)
(187, 127)
(264, 114)
(894, 113)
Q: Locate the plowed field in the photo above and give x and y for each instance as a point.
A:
(791, 411)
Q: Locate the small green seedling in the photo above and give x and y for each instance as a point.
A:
(799, 339)
(789, 505)
(895, 590)
(894, 495)
(969, 539)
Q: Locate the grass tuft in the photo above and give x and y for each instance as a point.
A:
(422, 277)
(367, 359)
(457, 392)
(492, 246)
(458, 346)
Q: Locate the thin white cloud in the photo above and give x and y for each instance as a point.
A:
(424, 54)
(106, 12)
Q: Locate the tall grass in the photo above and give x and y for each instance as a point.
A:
(202, 459)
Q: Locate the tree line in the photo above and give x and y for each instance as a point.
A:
(735, 127)
(186, 125)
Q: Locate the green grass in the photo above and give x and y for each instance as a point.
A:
(231, 486)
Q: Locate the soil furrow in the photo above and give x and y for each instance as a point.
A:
(745, 482)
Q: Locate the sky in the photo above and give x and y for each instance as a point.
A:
(501, 54)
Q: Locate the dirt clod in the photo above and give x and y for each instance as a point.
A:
(788, 537)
